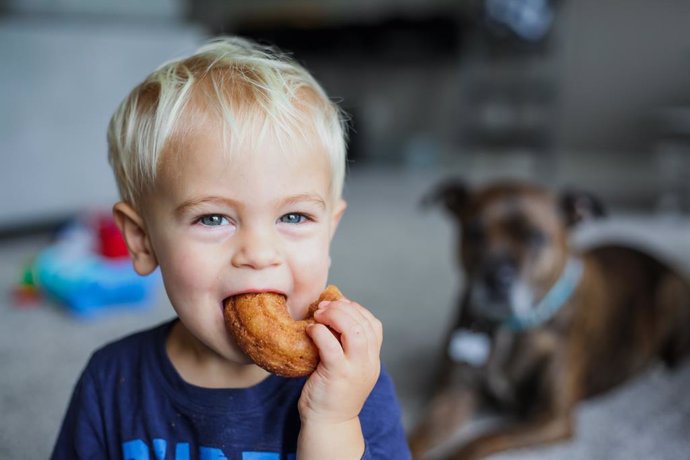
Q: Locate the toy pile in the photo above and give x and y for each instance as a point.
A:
(88, 270)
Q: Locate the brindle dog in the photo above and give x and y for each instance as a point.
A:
(541, 327)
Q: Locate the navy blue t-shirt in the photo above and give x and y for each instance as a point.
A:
(131, 404)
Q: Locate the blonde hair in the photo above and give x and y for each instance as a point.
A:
(242, 82)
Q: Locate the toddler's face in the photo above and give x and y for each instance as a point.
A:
(257, 219)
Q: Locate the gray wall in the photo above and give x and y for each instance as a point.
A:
(64, 82)
(620, 61)
(617, 61)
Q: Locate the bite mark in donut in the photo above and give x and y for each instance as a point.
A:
(263, 328)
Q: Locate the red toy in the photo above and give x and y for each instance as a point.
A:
(111, 244)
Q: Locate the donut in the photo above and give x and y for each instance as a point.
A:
(263, 328)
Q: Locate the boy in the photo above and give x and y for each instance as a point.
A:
(230, 164)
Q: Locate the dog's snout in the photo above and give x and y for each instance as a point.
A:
(500, 276)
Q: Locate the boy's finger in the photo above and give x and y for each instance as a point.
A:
(357, 334)
(373, 323)
(330, 350)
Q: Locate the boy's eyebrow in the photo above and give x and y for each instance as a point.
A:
(186, 205)
(311, 197)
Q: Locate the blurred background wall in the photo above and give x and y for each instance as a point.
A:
(583, 92)
(66, 66)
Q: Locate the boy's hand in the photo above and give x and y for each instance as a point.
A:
(349, 340)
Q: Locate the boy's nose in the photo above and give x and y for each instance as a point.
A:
(257, 250)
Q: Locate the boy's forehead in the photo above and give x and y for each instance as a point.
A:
(205, 147)
(253, 135)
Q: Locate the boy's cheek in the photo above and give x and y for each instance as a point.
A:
(185, 271)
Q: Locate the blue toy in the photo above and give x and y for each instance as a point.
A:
(87, 282)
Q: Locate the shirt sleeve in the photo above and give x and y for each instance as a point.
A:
(381, 420)
(80, 437)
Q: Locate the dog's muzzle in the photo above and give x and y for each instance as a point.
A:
(503, 299)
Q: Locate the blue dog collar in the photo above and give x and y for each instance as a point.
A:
(555, 298)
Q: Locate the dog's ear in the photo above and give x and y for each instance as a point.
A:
(579, 206)
(451, 193)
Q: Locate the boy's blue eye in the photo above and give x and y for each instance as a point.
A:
(293, 218)
(213, 220)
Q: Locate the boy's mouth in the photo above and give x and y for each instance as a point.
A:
(258, 291)
(251, 291)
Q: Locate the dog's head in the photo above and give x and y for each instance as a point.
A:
(513, 240)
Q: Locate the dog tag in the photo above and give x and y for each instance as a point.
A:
(469, 347)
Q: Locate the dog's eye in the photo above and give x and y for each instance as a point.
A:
(535, 238)
(528, 234)
(474, 231)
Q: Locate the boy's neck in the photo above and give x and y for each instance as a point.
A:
(200, 366)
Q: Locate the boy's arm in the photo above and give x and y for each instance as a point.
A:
(326, 440)
(349, 340)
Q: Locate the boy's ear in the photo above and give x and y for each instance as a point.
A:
(338, 211)
(133, 230)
